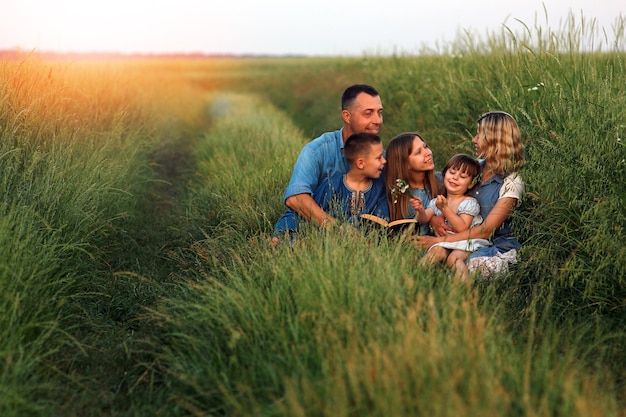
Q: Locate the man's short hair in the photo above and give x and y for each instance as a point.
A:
(354, 90)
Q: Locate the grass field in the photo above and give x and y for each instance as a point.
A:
(139, 197)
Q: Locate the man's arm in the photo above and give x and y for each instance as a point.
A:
(307, 208)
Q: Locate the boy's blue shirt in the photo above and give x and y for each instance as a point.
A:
(340, 201)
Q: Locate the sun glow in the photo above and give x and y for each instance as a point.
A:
(273, 26)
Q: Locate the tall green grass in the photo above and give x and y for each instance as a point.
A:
(341, 323)
(567, 98)
(557, 318)
(139, 197)
(69, 161)
(242, 165)
(88, 150)
(570, 108)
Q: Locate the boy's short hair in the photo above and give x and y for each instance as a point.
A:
(359, 144)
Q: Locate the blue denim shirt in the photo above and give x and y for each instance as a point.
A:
(425, 195)
(339, 200)
(487, 193)
(321, 158)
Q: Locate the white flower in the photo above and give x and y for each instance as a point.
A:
(400, 188)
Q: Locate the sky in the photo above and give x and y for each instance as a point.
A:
(277, 27)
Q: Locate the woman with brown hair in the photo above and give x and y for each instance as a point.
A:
(410, 173)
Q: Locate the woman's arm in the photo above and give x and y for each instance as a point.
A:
(496, 217)
(439, 226)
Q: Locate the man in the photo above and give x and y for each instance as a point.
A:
(361, 111)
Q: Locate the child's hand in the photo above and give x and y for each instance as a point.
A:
(417, 205)
(441, 202)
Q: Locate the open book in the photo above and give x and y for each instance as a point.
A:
(394, 226)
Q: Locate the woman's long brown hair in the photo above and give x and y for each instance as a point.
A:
(398, 151)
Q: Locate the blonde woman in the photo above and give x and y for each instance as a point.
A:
(500, 151)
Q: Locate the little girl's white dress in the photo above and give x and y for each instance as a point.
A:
(468, 206)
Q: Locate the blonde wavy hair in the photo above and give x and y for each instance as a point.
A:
(500, 140)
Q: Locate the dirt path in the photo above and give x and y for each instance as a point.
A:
(114, 367)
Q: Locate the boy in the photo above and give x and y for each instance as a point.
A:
(361, 190)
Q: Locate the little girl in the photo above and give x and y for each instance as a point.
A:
(460, 212)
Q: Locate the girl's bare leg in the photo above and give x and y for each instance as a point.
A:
(456, 261)
(435, 255)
